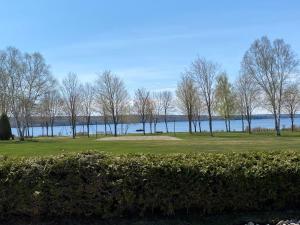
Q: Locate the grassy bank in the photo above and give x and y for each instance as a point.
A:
(221, 142)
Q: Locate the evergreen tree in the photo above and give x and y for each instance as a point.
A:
(5, 128)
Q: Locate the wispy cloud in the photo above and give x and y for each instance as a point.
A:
(142, 37)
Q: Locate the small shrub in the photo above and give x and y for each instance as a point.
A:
(5, 128)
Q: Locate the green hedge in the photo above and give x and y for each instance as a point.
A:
(98, 184)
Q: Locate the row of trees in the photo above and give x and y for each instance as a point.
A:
(29, 91)
(267, 79)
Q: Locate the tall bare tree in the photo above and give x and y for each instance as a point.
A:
(204, 73)
(158, 108)
(187, 96)
(248, 94)
(126, 119)
(88, 98)
(103, 113)
(225, 99)
(141, 100)
(113, 96)
(271, 65)
(4, 81)
(197, 113)
(150, 113)
(53, 104)
(42, 113)
(71, 97)
(291, 101)
(167, 105)
(28, 78)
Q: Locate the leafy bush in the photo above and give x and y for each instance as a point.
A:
(5, 128)
(98, 184)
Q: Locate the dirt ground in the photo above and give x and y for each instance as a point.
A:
(140, 138)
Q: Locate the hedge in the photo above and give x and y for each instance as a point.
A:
(107, 186)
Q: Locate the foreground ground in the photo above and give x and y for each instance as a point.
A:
(260, 218)
(221, 142)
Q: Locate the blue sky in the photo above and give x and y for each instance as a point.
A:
(147, 43)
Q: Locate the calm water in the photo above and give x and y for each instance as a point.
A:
(182, 126)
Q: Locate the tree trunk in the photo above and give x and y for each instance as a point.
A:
(47, 129)
(96, 127)
(249, 121)
(277, 123)
(21, 134)
(52, 133)
(199, 125)
(115, 127)
(243, 125)
(166, 123)
(144, 127)
(249, 124)
(73, 131)
(88, 125)
(210, 121)
(190, 124)
(292, 121)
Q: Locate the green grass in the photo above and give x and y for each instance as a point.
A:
(221, 142)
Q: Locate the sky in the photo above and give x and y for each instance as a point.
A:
(146, 43)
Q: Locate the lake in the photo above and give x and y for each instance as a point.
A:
(179, 126)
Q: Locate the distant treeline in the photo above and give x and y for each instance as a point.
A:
(65, 121)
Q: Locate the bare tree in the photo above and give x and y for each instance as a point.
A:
(158, 107)
(104, 115)
(240, 107)
(271, 66)
(88, 97)
(28, 78)
(113, 96)
(247, 93)
(42, 113)
(291, 101)
(225, 99)
(187, 96)
(197, 112)
(150, 113)
(4, 81)
(71, 97)
(167, 105)
(141, 100)
(126, 119)
(53, 104)
(204, 73)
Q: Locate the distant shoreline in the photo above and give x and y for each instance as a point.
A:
(63, 120)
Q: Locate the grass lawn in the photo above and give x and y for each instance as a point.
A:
(221, 142)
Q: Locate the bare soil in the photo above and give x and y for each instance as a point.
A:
(140, 138)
